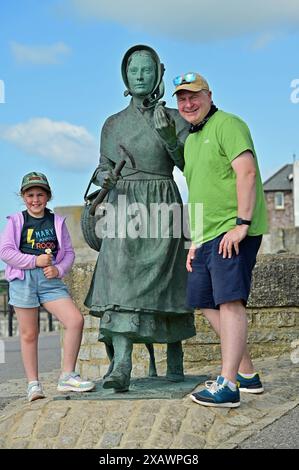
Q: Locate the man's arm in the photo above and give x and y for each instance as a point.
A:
(244, 167)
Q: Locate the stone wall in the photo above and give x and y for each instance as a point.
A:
(281, 240)
(43, 325)
(84, 254)
(273, 314)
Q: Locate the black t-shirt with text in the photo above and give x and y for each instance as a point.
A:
(38, 234)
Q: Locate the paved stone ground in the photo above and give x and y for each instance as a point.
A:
(146, 424)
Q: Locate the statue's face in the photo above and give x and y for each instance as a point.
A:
(141, 74)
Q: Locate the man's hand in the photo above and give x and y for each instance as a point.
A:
(43, 260)
(190, 258)
(165, 126)
(232, 239)
(51, 272)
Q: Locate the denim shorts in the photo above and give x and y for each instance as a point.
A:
(35, 289)
(215, 280)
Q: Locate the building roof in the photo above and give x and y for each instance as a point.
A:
(282, 180)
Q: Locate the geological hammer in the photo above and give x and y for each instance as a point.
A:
(100, 197)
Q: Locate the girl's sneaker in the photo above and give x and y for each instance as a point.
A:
(72, 382)
(34, 391)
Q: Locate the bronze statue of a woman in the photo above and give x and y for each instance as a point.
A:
(138, 286)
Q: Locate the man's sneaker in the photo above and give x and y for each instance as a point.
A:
(217, 394)
(34, 391)
(250, 385)
(72, 382)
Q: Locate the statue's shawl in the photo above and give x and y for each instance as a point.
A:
(134, 129)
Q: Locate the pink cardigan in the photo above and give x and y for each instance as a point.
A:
(17, 261)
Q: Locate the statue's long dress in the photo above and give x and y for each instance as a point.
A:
(139, 285)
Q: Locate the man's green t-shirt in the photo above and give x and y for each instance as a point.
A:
(212, 181)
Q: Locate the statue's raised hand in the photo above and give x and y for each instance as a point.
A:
(165, 125)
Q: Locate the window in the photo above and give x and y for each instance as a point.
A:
(279, 200)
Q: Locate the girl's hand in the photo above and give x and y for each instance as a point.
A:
(43, 260)
(51, 272)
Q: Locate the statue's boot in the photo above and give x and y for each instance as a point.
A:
(175, 366)
(119, 378)
(152, 372)
(110, 354)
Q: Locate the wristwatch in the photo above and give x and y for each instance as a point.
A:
(240, 221)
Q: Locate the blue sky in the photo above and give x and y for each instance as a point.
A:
(60, 70)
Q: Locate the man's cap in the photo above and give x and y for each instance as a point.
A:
(35, 179)
(197, 84)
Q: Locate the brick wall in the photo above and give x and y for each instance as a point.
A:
(273, 314)
(280, 218)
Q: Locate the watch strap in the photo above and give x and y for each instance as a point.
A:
(240, 221)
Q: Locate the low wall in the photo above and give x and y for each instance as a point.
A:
(84, 254)
(43, 325)
(273, 314)
(281, 240)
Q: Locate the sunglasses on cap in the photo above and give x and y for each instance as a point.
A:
(187, 78)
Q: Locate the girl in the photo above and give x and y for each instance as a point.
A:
(37, 249)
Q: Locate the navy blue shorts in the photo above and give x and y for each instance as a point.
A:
(216, 280)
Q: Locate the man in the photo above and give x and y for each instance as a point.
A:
(222, 174)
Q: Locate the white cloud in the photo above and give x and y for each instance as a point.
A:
(264, 39)
(64, 145)
(39, 55)
(196, 20)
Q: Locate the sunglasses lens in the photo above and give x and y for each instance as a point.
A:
(190, 77)
(187, 78)
(178, 80)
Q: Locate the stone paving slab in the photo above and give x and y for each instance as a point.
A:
(145, 423)
(141, 389)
